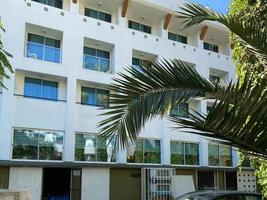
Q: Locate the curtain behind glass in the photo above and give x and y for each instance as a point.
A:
(50, 90)
(88, 96)
(32, 87)
(102, 97)
(214, 155)
(151, 151)
(104, 16)
(35, 38)
(191, 154)
(177, 153)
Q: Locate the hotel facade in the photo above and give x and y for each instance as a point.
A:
(65, 52)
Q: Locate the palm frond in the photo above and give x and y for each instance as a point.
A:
(142, 96)
(250, 33)
(239, 118)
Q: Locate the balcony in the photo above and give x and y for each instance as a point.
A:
(43, 52)
(96, 63)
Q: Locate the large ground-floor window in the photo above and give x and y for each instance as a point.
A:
(220, 155)
(183, 153)
(144, 151)
(89, 147)
(33, 144)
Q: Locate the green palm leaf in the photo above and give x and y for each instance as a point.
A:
(239, 118)
(250, 34)
(142, 96)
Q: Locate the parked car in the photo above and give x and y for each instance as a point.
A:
(220, 195)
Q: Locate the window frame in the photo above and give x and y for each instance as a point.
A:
(98, 12)
(44, 48)
(95, 96)
(184, 143)
(219, 146)
(41, 88)
(178, 108)
(211, 47)
(38, 144)
(130, 148)
(178, 38)
(96, 149)
(98, 58)
(46, 2)
(142, 63)
(141, 27)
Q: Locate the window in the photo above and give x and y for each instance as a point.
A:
(215, 79)
(139, 27)
(42, 48)
(97, 15)
(177, 37)
(96, 59)
(32, 144)
(38, 88)
(180, 110)
(211, 47)
(209, 109)
(220, 155)
(95, 97)
(144, 151)
(88, 147)
(54, 3)
(183, 153)
(140, 64)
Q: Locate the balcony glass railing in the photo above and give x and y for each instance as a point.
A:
(96, 63)
(43, 52)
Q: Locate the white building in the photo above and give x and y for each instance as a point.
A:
(64, 55)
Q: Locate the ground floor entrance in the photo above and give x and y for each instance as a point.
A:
(56, 183)
(117, 183)
(61, 183)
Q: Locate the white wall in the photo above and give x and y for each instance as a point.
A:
(70, 116)
(95, 184)
(29, 179)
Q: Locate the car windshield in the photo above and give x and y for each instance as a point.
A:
(192, 197)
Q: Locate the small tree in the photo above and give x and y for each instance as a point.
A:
(5, 66)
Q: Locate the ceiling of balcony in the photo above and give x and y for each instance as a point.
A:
(105, 5)
(145, 14)
(216, 35)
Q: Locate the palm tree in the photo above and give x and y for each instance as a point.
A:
(5, 65)
(238, 116)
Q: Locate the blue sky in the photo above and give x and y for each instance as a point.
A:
(218, 5)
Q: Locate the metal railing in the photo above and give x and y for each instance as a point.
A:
(43, 52)
(41, 98)
(96, 63)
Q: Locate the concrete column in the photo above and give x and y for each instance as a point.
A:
(122, 55)
(203, 71)
(119, 20)
(70, 126)
(73, 49)
(162, 32)
(204, 151)
(7, 119)
(165, 144)
(74, 7)
(199, 41)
